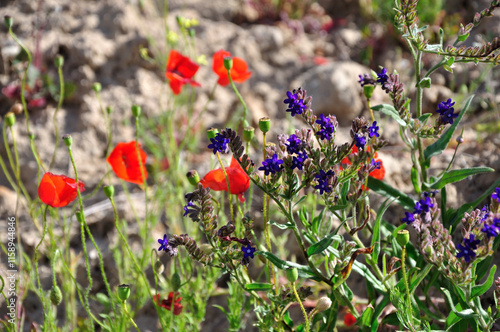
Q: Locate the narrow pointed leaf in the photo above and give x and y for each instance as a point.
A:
(458, 175)
(390, 111)
(479, 290)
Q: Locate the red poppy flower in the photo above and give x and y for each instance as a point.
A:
(124, 162)
(180, 70)
(167, 304)
(377, 173)
(239, 182)
(349, 319)
(58, 190)
(239, 72)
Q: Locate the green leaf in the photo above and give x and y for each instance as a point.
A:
(378, 311)
(479, 290)
(376, 229)
(386, 190)
(441, 144)
(467, 313)
(390, 111)
(366, 317)
(280, 226)
(424, 117)
(304, 271)
(322, 244)
(458, 175)
(258, 286)
(415, 179)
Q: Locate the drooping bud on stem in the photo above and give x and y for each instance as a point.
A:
(136, 111)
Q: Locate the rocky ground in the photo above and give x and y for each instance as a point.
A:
(101, 42)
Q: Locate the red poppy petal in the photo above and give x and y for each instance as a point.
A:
(187, 68)
(58, 190)
(239, 72)
(125, 163)
(174, 58)
(215, 180)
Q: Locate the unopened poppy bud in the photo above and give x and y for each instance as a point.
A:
(79, 216)
(193, 177)
(10, 119)
(159, 267)
(17, 108)
(191, 32)
(136, 111)
(264, 124)
(68, 140)
(176, 281)
(368, 90)
(59, 61)
(109, 109)
(228, 62)
(97, 87)
(212, 132)
(403, 237)
(248, 133)
(9, 21)
(292, 274)
(32, 137)
(324, 303)
(55, 295)
(123, 292)
(109, 191)
(460, 139)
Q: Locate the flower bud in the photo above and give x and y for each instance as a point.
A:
(109, 109)
(97, 87)
(292, 274)
(425, 82)
(55, 295)
(460, 139)
(59, 61)
(264, 124)
(79, 216)
(68, 140)
(403, 237)
(123, 292)
(248, 133)
(10, 119)
(17, 108)
(176, 281)
(191, 32)
(228, 62)
(324, 303)
(368, 90)
(109, 191)
(193, 177)
(159, 267)
(211, 133)
(32, 137)
(9, 21)
(136, 111)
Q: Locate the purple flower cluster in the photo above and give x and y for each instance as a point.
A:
(446, 111)
(294, 144)
(323, 178)
(382, 76)
(422, 207)
(295, 104)
(360, 141)
(271, 165)
(219, 143)
(496, 194)
(298, 160)
(467, 250)
(327, 128)
(186, 208)
(492, 230)
(373, 130)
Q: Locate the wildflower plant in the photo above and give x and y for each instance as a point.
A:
(304, 189)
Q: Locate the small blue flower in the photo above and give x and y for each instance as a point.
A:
(382, 76)
(374, 130)
(467, 250)
(375, 164)
(492, 230)
(248, 251)
(322, 178)
(423, 206)
(409, 218)
(327, 128)
(298, 161)
(360, 141)
(186, 210)
(295, 104)
(163, 243)
(485, 212)
(496, 194)
(272, 165)
(294, 144)
(219, 143)
(446, 110)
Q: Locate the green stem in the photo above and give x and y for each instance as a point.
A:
(54, 117)
(130, 317)
(244, 122)
(405, 278)
(306, 319)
